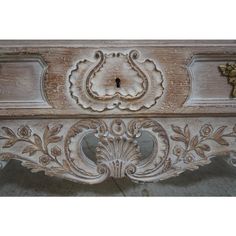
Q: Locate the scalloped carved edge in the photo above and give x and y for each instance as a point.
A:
(57, 148)
(116, 80)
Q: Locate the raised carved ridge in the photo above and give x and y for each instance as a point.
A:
(56, 148)
(116, 80)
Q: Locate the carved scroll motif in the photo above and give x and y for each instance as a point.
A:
(118, 153)
(116, 80)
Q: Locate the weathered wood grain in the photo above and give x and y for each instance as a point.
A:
(172, 91)
(172, 58)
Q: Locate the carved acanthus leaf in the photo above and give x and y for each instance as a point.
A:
(118, 152)
(116, 80)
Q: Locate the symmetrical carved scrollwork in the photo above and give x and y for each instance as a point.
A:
(57, 148)
(116, 80)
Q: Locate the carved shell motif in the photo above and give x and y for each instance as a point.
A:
(116, 80)
(57, 148)
(117, 153)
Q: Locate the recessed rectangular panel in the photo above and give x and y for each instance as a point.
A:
(21, 82)
(208, 86)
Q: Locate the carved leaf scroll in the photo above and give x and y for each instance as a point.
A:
(118, 153)
(198, 144)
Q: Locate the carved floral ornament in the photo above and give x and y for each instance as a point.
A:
(118, 153)
(116, 80)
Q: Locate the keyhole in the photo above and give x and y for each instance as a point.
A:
(117, 82)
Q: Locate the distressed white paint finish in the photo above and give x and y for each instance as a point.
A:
(116, 80)
(173, 93)
(21, 82)
(208, 86)
(171, 59)
(55, 146)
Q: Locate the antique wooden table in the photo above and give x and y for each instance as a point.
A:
(179, 94)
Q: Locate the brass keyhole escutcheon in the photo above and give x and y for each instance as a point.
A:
(117, 82)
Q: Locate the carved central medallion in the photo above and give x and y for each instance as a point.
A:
(116, 80)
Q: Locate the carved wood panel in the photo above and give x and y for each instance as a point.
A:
(171, 59)
(53, 95)
(116, 80)
(55, 147)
